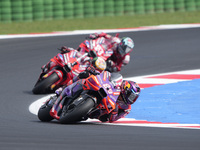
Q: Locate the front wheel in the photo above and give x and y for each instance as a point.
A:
(75, 113)
(44, 111)
(43, 86)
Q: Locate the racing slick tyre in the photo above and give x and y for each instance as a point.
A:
(76, 112)
(43, 87)
(43, 113)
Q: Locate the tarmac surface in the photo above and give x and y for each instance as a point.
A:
(155, 52)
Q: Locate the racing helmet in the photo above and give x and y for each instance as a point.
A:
(125, 46)
(99, 63)
(129, 91)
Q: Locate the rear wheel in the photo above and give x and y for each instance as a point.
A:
(43, 86)
(76, 113)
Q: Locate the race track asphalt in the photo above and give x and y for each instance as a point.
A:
(20, 61)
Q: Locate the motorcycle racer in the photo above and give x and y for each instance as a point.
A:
(129, 93)
(117, 52)
(63, 67)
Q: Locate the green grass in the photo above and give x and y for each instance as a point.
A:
(100, 23)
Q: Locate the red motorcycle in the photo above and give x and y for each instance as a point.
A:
(100, 47)
(67, 66)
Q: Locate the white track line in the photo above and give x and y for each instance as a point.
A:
(78, 32)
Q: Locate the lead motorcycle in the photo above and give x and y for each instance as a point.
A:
(67, 66)
(99, 47)
(100, 92)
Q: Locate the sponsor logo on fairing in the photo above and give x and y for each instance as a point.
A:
(87, 43)
(61, 56)
(100, 80)
(83, 66)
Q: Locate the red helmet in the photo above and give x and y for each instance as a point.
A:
(129, 91)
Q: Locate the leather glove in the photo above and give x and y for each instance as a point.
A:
(110, 63)
(111, 66)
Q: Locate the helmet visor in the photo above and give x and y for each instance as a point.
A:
(128, 49)
(121, 51)
(131, 97)
(124, 50)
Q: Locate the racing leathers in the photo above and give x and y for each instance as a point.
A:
(121, 110)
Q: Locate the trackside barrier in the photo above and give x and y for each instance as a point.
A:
(31, 10)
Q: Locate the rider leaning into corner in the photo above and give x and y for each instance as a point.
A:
(129, 93)
(119, 48)
(117, 51)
